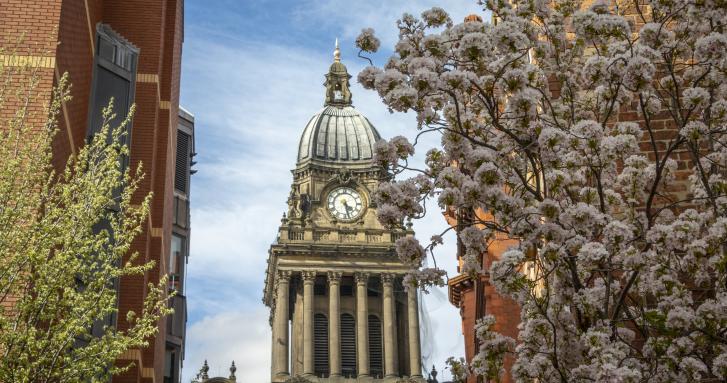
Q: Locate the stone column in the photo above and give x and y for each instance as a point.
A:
(362, 324)
(391, 368)
(309, 278)
(415, 357)
(280, 327)
(334, 323)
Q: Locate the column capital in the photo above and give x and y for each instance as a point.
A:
(284, 275)
(361, 278)
(308, 276)
(334, 276)
(388, 278)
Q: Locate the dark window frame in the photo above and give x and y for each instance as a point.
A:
(181, 263)
(186, 157)
(107, 36)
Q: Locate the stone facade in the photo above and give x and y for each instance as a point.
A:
(333, 276)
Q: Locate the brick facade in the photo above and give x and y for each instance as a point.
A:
(478, 298)
(59, 36)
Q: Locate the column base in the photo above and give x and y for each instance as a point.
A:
(418, 378)
(280, 378)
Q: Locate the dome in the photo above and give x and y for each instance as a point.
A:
(338, 134)
(338, 68)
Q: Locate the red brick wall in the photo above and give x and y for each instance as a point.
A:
(74, 56)
(156, 28)
(33, 20)
(28, 31)
(505, 310)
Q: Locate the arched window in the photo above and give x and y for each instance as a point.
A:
(348, 346)
(375, 352)
(320, 345)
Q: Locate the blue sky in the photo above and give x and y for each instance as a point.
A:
(252, 73)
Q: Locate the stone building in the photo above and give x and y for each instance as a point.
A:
(334, 283)
(130, 50)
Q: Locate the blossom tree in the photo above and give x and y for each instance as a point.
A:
(594, 135)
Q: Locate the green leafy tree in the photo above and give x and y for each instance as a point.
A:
(65, 241)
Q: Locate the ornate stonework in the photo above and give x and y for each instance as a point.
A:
(334, 276)
(361, 277)
(354, 322)
(309, 275)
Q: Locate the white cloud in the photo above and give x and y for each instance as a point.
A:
(381, 15)
(240, 335)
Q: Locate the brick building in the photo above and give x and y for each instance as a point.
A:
(478, 297)
(129, 50)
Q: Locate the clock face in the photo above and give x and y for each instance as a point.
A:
(345, 204)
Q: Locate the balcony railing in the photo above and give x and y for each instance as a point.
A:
(340, 236)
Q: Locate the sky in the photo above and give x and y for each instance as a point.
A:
(252, 74)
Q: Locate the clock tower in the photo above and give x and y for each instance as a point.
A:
(338, 309)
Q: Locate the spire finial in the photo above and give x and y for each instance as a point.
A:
(337, 53)
(233, 369)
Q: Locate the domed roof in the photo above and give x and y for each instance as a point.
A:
(338, 68)
(338, 134)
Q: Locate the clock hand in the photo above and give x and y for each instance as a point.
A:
(348, 209)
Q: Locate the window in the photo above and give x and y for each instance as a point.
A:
(348, 346)
(375, 349)
(320, 345)
(183, 161)
(114, 76)
(169, 366)
(177, 257)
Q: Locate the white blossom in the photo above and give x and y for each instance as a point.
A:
(409, 250)
(367, 41)
(601, 153)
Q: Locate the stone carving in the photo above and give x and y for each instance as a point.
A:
(304, 205)
(361, 278)
(284, 275)
(292, 202)
(203, 376)
(309, 276)
(344, 176)
(298, 204)
(334, 276)
(233, 369)
(298, 379)
(387, 278)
